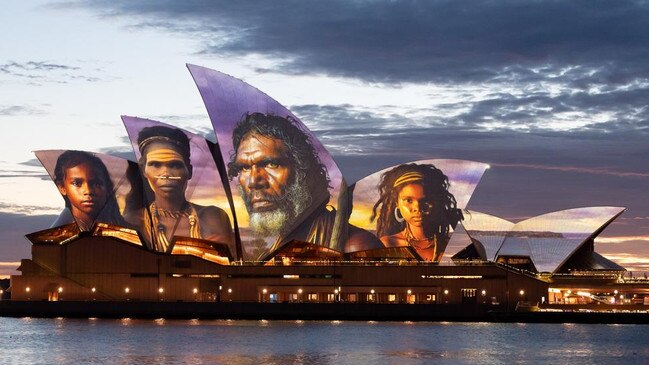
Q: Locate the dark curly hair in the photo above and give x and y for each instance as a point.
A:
(443, 215)
(301, 153)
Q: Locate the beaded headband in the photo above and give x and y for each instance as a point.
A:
(408, 177)
(142, 145)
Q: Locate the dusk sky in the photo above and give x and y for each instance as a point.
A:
(551, 94)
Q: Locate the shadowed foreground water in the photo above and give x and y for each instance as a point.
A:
(98, 341)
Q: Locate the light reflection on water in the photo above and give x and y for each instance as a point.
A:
(160, 341)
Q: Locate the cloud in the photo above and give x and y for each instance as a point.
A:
(622, 239)
(415, 41)
(119, 151)
(8, 268)
(9, 265)
(539, 66)
(13, 67)
(29, 210)
(38, 72)
(577, 169)
(14, 110)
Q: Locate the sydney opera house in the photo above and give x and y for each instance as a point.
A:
(264, 215)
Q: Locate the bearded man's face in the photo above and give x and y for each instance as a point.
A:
(273, 195)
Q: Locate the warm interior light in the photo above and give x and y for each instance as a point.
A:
(195, 290)
(161, 290)
(60, 289)
(127, 290)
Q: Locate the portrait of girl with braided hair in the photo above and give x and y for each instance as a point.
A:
(416, 209)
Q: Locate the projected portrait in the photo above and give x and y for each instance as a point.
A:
(166, 165)
(416, 209)
(84, 182)
(92, 185)
(304, 181)
(417, 204)
(283, 182)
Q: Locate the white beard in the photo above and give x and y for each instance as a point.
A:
(290, 206)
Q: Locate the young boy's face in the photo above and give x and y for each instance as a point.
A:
(85, 190)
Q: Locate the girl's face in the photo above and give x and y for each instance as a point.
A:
(85, 189)
(413, 204)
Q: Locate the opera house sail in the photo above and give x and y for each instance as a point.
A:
(260, 212)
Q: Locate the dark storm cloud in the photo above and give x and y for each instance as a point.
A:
(582, 42)
(539, 59)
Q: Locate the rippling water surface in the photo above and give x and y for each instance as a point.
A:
(126, 341)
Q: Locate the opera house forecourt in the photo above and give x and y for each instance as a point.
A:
(262, 224)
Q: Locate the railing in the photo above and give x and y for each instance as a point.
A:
(354, 263)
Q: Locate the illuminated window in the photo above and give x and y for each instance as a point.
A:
(411, 298)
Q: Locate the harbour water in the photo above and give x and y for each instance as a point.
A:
(131, 341)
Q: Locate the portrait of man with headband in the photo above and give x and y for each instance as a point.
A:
(166, 167)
